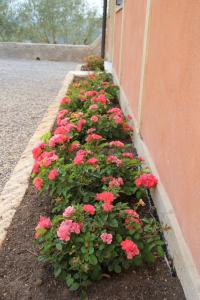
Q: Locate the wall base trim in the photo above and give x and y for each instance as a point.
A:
(177, 246)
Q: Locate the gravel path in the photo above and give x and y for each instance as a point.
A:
(26, 90)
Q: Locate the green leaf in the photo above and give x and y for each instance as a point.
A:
(117, 268)
(75, 286)
(93, 260)
(160, 251)
(118, 238)
(57, 271)
(113, 223)
(69, 280)
(59, 246)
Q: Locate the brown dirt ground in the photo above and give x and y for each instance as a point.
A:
(22, 277)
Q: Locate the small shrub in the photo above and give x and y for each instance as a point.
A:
(95, 63)
(87, 241)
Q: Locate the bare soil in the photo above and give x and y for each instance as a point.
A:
(22, 277)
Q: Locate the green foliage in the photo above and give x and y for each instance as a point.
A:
(85, 257)
(49, 21)
(88, 166)
(95, 63)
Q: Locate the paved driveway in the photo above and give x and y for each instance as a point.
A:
(26, 90)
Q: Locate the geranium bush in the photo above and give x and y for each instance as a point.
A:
(90, 240)
(96, 182)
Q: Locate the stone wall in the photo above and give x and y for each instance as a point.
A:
(57, 52)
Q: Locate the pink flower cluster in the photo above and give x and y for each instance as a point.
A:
(66, 228)
(89, 209)
(146, 180)
(53, 174)
(106, 238)
(93, 137)
(65, 100)
(117, 144)
(100, 99)
(114, 159)
(91, 93)
(37, 151)
(128, 155)
(130, 248)
(58, 139)
(69, 211)
(107, 198)
(133, 216)
(44, 223)
(38, 182)
(93, 107)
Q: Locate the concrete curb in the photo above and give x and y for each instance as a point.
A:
(17, 185)
(178, 248)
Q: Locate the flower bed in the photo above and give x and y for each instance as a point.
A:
(98, 185)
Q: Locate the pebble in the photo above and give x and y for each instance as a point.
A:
(27, 88)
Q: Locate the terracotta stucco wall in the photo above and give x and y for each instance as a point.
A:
(170, 101)
(117, 41)
(171, 108)
(133, 37)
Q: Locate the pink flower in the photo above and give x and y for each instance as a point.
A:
(80, 124)
(118, 119)
(38, 182)
(47, 158)
(44, 223)
(76, 228)
(89, 208)
(38, 150)
(106, 197)
(115, 111)
(130, 117)
(100, 99)
(66, 228)
(107, 207)
(146, 180)
(91, 93)
(79, 158)
(90, 130)
(140, 158)
(63, 231)
(92, 161)
(118, 144)
(126, 127)
(132, 213)
(61, 130)
(93, 106)
(106, 238)
(94, 119)
(116, 182)
(53, 174)
(65, 100)
(64, 122)
(105, 82)
(58, 139)
(36, 167)
(93, 136)
(130, 248)
(114, 159)
(73, 147)
(128, 155)
(70, 210)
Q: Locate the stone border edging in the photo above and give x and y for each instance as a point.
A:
(16, 187)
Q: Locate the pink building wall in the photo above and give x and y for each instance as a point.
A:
(170, 103)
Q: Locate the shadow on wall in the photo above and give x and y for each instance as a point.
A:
(58, 52)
